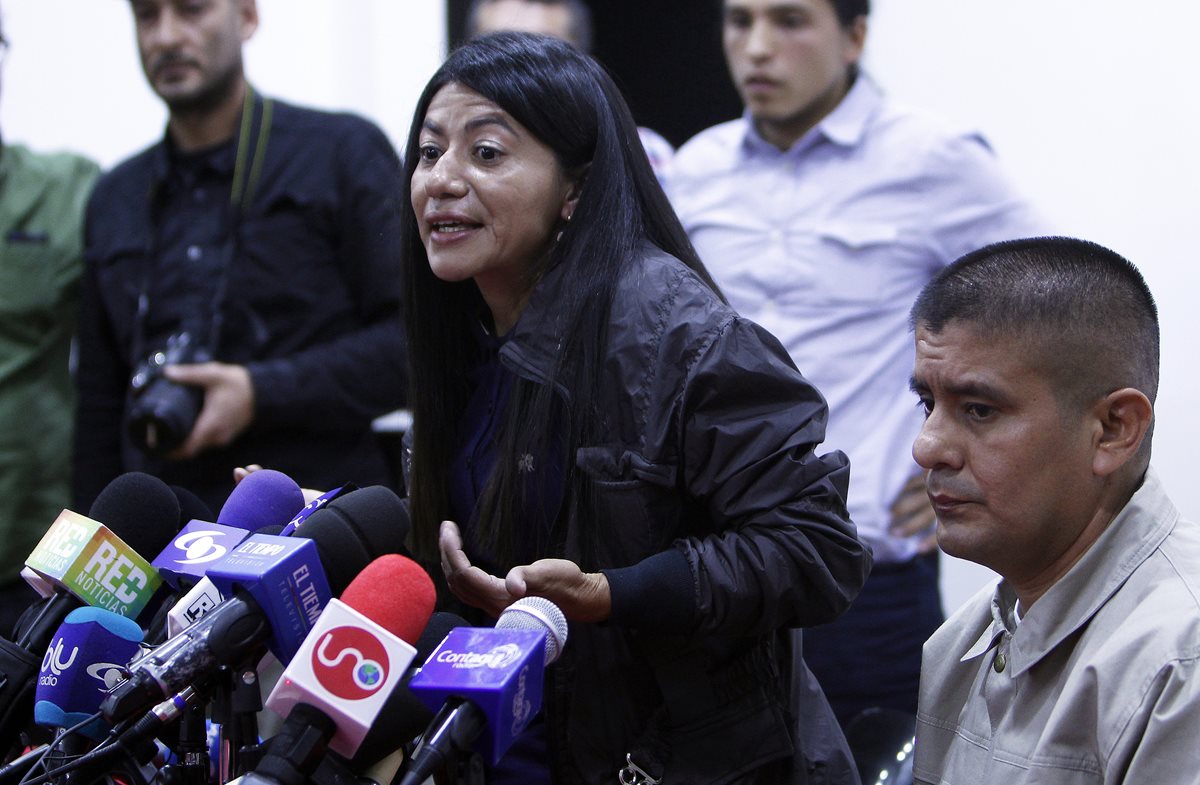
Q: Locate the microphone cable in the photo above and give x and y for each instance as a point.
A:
(120, 741)
(9, 771)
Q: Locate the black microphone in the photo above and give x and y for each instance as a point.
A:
(141, 515)
(276, 588)
(191, 506)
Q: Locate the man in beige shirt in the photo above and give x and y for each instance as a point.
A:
(1037, 367)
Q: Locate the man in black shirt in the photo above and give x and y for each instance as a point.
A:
(264, 237)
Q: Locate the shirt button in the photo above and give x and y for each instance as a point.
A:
(777, 236)
(194, 253)
(999, 663)
(199, 194)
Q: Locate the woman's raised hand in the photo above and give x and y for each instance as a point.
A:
(582, 596)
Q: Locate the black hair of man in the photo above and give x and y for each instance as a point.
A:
(1084, 312)
(580, 28)
(849, 10)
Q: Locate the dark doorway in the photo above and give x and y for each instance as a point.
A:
(666, 56)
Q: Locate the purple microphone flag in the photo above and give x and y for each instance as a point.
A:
(500, 671)
(196, 548)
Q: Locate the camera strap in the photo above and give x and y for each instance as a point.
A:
(253, 134)
(241, 195)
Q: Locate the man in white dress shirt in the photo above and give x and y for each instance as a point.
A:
(821, 213)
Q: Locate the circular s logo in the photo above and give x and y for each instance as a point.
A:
(350, 662)
(198, 547)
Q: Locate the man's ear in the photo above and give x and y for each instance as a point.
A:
(248, 13)
(856, 40)
(1124, 417)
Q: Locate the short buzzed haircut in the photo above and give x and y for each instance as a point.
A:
(849, 10)
(580, 15)
(1084, 311)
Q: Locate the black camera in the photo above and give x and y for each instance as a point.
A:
(162, 413)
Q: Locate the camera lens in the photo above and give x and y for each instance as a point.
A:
(163, 416)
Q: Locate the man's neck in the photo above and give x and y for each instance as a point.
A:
(1031, 588)
(786, 131)
(202, 127)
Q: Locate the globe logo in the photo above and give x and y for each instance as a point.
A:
(368, 675)
(350, 662)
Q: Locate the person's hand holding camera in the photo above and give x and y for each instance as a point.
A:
(228, 404)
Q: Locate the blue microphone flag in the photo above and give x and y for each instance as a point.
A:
(86, 657)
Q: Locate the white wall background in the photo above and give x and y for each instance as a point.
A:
(72, 79)
(1091, 104)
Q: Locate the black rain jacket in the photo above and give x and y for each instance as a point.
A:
(709, 450)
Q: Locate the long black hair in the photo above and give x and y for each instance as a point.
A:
(568, 102)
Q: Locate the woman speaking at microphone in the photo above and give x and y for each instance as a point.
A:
(594, 425)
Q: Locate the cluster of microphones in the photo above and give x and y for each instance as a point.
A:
(139, 671)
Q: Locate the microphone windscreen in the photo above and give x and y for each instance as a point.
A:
(354, 529)
(394, 592)
(191, 506)
(263, 498)
(140, 509)
(537, 613)
(84, 660)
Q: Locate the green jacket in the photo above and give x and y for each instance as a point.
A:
(42, 199)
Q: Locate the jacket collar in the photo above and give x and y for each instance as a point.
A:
(532, 347)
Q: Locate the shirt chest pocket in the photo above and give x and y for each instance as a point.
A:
(863, 263)
(33, 277)
(290, 245)
(633, 503)
(122, 270)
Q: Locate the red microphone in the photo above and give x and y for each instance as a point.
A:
(356, 654)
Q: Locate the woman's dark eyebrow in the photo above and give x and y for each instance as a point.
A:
(472, 125)
(480, 122)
